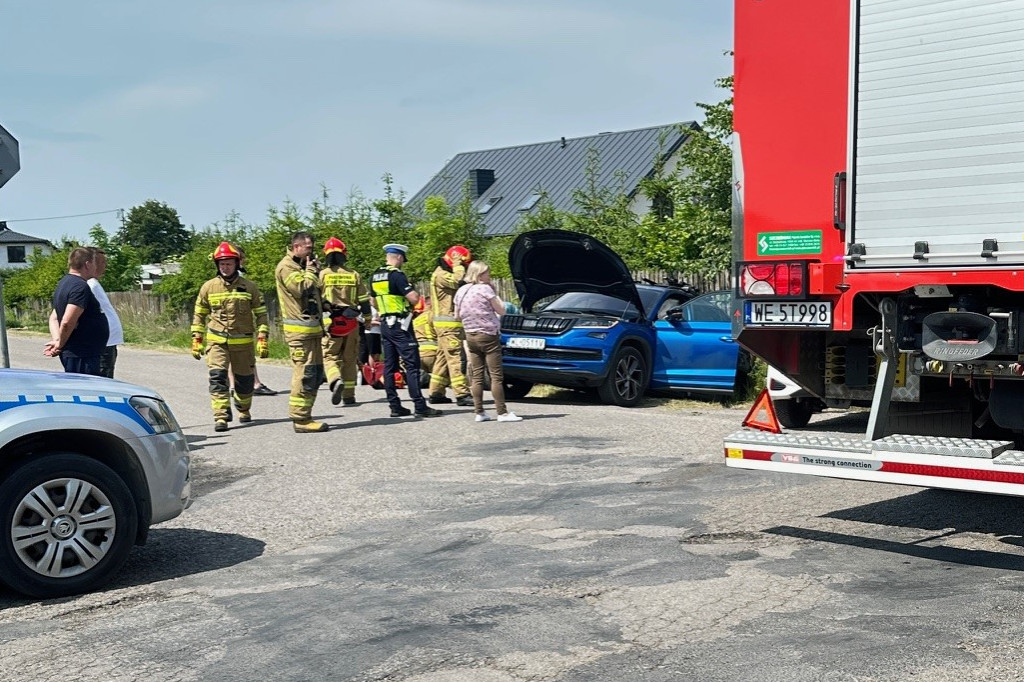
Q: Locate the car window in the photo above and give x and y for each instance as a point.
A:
(713, 307)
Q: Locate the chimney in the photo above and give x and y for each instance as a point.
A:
(480, 180)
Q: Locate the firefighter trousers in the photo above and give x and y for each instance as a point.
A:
(341, 358)
(240, 360)
(400, 345)
(306, 355)
(448, 365)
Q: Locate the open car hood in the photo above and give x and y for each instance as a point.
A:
(551, 262)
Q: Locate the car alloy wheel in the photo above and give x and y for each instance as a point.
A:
(627, 381)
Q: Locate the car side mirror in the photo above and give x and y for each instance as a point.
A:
(674, 314)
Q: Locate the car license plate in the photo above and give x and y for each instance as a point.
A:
(788, 314)
(525, 342)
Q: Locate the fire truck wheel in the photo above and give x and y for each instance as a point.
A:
(793, 414)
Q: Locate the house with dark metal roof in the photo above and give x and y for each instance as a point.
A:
(507, 184)
(15, 248)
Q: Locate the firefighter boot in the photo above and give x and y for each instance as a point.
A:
(337, 386)
(220, 425)
(309, 427)
(464, 401)
(244, 416)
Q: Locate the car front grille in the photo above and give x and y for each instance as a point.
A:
(551, 354)
(536, 325)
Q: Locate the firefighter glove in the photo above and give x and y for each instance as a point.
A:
(197, 346)
(262, 348)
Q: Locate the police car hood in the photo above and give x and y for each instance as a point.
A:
(14, 382)
(551, 262)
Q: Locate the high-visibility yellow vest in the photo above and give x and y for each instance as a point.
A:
(387, 303)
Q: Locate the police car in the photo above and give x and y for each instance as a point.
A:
(87, 465)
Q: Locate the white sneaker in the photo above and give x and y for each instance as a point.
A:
(483, 417)
(509, 417)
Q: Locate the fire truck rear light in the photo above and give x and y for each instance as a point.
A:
(773, 279)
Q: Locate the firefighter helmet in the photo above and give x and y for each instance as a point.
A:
(335, 245)
(225, 251)
(459, 250)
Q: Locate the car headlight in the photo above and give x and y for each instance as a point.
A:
(596, 322)
(155, 412)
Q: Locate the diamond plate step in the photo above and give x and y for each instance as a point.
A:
(1010, 458)
(821, 441)
(943, 446)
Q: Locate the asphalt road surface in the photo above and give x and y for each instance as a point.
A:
(586, 542)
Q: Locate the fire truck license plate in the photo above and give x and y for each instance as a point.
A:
(788, 314)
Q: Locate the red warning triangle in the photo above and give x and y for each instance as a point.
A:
(762, 414)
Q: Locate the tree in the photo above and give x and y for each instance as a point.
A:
(441, 227)
(123, 262)
(697, 234)
(155, 231)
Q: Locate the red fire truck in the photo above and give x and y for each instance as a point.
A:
(879, 233)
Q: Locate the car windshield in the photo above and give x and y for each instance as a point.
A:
(590, 304)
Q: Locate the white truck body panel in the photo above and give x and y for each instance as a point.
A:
(937, 136)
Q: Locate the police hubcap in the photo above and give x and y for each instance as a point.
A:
(63, 527)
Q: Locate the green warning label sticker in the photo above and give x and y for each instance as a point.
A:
(788, 243)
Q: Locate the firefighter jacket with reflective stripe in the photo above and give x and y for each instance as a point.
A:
(443, 285)
(298, 293)
(342, 288)
(390, 299)
(423, 327)
(226, 311)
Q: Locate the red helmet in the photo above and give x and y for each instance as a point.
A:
(460, 250)
(225, 251)
(335, 245)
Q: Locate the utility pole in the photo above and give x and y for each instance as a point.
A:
(10, 163)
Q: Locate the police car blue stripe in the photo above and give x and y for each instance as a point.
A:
(117, 404)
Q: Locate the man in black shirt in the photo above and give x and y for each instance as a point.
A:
(80, 336)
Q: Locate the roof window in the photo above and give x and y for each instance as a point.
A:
(530, 202)
(488, 205)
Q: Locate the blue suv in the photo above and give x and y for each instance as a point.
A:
(586, 324)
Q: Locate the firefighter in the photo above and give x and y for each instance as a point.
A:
(423, 328)
(345, 303)
(446, 280)
(298, 293)
(224, 316)
(393, 297)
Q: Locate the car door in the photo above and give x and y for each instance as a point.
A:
(695, 348)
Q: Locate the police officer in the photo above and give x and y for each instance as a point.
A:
(444, 282)
(394, 298)
(298, 293)
(224, 312)
(345, 300)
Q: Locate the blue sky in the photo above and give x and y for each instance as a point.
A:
(220, 105)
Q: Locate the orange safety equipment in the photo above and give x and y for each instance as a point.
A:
(341, 325)
(460, 251)
(335, 245)
(225, 251)
(420, 306)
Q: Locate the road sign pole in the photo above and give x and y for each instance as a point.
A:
(5, 355)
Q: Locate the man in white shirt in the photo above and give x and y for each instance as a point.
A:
(116, 338)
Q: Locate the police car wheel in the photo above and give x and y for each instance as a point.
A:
(67, 525)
